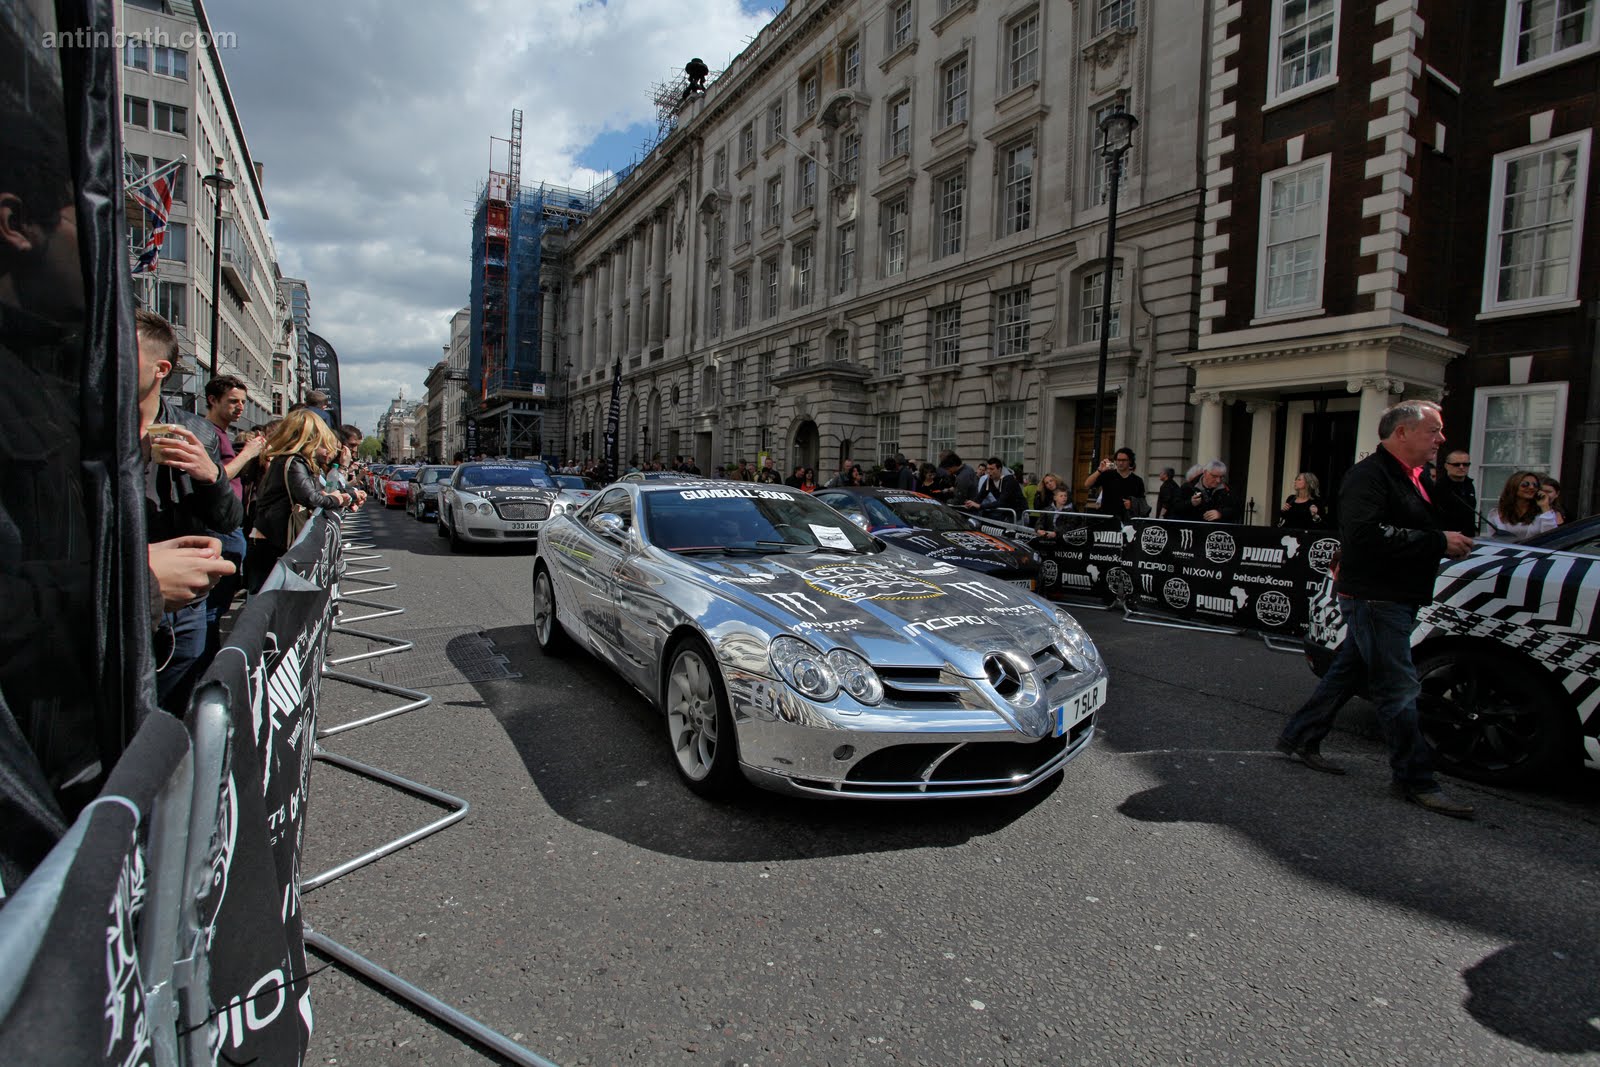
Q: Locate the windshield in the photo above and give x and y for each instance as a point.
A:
(404, 474)
(926, 514)
(753, 520)
(484, 474)
(1581, 536)
(572, 481)
(435, 474)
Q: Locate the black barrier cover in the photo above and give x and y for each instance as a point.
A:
(271, 669)
(1084, 558)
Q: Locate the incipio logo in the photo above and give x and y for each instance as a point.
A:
(1176, 593)
(1272, 608)
(1153, 541)
(1220, 547)
(1321, 554)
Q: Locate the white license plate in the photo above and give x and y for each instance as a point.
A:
(1079, 707)
(522, 526)
(1023, 583)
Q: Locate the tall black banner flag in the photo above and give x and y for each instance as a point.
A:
(614, 422)
(325, 373)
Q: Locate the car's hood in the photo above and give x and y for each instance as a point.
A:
(962, 547)
(575, 498)
(507, 493)
(891, 607)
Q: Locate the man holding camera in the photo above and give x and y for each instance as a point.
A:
(1121, 491)
(1207, 498)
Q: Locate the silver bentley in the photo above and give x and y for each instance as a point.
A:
(787, 646)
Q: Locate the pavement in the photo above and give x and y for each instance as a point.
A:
(1183, 894)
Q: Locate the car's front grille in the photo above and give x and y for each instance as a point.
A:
(1050, 664)
(920, 687)
(963, 767)
(523, 511)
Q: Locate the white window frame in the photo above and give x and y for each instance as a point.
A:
(175, 58)
(772, 210)
(950, 216)
(747, 144)
(1013, 322)
(1487, 494)
(846, 255)
(771, 287)
(896, 238)
(1115, 14)
(944, 333)
(891, 346)
(1497, 189)
(899, 137)
(1274, 96)
(714, 311)
(850, 63)
(942, 432)
(1016, 192)
(955, 91)
(741, 299)
(775, 122)
(719, 167)
(805, 195)
(901, 35)
(1099, 164)
(850, 156)
(1011, 416)
(805, 272)
(1313, 307)
(889, 434)
(839, 347)
(747, 218)
(1090, 299)
(1511, 69)
(810, 94)
(1023, 68)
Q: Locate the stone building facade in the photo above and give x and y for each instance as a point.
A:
(882, 229)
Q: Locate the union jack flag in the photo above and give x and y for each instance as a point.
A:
(155, 196)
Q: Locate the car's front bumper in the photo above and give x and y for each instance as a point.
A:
(492, 528)
(792, 745)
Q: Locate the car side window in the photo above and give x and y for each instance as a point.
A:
(615, 502)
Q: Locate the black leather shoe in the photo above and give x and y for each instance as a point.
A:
(1310, 757)
(1435, 800)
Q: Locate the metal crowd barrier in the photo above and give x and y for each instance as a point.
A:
(357, 528)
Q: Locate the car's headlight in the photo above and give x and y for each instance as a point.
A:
(1079, 647)
(856, 676)
(804, 668)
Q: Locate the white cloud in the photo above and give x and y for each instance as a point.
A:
(373, 123)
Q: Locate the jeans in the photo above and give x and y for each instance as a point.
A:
(184, 632)
(222, 594)
(1376, 652)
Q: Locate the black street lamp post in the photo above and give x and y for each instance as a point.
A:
(1116, 137)
(218, 183)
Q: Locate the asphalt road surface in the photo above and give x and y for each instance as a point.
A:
(1182, 895)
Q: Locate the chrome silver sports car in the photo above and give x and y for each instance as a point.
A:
(786, 645)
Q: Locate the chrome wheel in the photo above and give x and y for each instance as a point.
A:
(692, 715)
(546, 629)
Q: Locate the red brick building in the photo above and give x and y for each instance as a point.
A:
(1396, 201)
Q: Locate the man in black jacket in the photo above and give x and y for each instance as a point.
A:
(1392, 535)
(186, 495)
(1207, 497)
(999, 493)
(1458, 496)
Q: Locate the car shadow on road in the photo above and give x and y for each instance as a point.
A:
(1509, 874)
(598, 753)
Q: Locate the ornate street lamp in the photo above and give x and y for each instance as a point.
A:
(218, 183)
(1116, 137)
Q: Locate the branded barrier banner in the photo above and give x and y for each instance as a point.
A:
(1253, 577)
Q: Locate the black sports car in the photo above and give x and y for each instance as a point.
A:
(921, 524)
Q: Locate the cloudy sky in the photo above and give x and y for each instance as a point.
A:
(373, 120)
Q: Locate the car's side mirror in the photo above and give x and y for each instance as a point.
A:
(610, 525)
(858, 518)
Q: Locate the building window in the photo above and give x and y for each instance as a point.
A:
(952, 212)
(900, 126)
(719, 167)
(769, 285)
(764, 374)
(1305, 34)
(900, 26)
(136, 54)
(894, 236)
(774, 211)
(953, 92)
(1090, 296)
(1294, 216)
(947, 335)
(666, 311)
(850, 64)
(1099, 165)
(714, 312)
(747, 218)
(1536, 209)
(804, 265)
(747, 145)
(1016, 194)
(170, 118)
(176, 245)
(941, 433)
(735, 447)
(172, 302)
(172, 62)
(741, 300)
(135, 112)
(891, 342)
(1114, 15)
(847, 255)
(800, 356)
(719, 237)
(178, 178)
(1005, 432)
(850, 156)
(806, 173)
(839, 347)
(889, 434)
(1022, 51)
(1514, 428)
(1541, 33)
(775, 122)
(738, 380)
(1012, 319)
(809, 94)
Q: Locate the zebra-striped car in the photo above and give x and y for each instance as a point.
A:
(1508, 654)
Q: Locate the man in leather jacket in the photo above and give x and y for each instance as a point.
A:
(1207, 497)
(186, 495)
(1392, 533)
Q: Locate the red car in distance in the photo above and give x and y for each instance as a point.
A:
(397, 487)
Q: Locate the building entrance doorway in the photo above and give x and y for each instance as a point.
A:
(1083, 445)
(807, 445)
(1327, 448)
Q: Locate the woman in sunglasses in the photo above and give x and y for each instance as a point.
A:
(1522, 512)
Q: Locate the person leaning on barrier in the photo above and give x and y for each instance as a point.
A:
(1052, 519)
(297, 452)
(1392, 535)
(999, 495)
(1206, 497)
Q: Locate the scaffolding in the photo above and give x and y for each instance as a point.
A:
(512, 363)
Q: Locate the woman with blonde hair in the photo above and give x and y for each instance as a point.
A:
(297, 452)
(1523, 511)
(1304, 509)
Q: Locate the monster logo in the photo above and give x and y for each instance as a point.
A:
(1220, 547)
(1153, 541)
